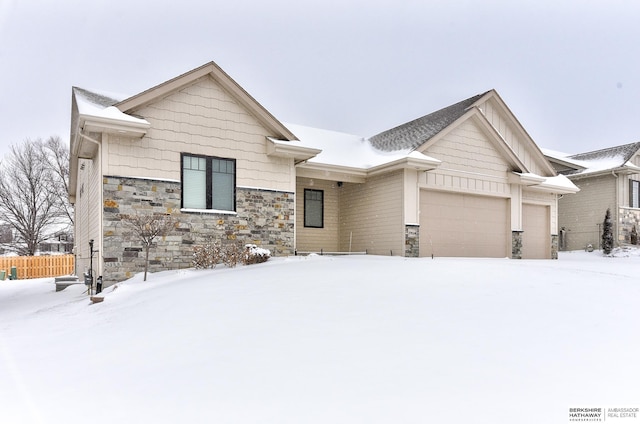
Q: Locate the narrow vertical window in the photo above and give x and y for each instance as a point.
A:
(194, 182)
(313, 208)
(222, 176)
(634, 194)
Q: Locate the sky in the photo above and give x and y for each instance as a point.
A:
(567, 69)
(319, 339)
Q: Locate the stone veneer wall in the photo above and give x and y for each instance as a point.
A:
(411, 241)
(554, 246)
(516, 244)
(629, 218)
(265, 218)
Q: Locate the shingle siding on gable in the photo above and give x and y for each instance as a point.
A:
(467, 149)
(201, 119)
(583, 211)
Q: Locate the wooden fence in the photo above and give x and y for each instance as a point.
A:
(37, 266)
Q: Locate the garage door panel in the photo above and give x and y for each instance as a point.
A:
(454, 224)
(536, 239)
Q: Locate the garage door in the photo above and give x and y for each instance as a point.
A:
(453, 224)
(536, 239)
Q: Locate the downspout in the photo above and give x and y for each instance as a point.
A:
(101, 209)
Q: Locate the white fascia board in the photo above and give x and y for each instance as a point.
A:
(424, 163)
(287, 149)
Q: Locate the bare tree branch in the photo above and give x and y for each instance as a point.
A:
(146, 227)
(29, 194)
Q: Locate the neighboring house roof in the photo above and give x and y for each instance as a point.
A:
(598, 161)
(417, 132)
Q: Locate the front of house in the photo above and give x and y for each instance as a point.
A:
(464, 181)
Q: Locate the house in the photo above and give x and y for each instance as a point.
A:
(463, 181)
(608, 179)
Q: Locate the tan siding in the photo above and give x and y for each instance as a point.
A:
(88, 210)
(202, 119)
(468, 149)
(513, 137)
(470, 164)
(317, 239)
(581, 213)
(371, 213)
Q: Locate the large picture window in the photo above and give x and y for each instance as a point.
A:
(634, 194)
(313, 208)
(208, 183)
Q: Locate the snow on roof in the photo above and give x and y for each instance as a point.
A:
(101, 105)
(601, 160)
(342, 149)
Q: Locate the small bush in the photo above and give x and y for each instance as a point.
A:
(254, 255)
(231, 255)
(207, 256)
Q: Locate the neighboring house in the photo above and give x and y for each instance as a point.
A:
(59, 242)
(608, 179)
(464, 181)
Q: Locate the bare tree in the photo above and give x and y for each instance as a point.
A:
(28, 197)
(147, 227)
(56, 156)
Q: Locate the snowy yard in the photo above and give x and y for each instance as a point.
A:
(329, 340)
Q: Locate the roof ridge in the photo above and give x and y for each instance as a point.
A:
(628, 149)
(416, 132)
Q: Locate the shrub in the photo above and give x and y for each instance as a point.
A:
(231, 255)
(206, 256)
(607, 234)
(254, 255)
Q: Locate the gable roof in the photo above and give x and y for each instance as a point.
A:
(213, 71)
(598, 161)
(415, 133)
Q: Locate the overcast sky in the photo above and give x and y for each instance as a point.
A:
(568, 69)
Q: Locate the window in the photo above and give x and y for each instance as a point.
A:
(634, 194)
(208, 183)
(313, 208)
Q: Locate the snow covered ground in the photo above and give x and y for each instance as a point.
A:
(329, 340)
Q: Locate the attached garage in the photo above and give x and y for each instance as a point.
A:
(456, 224)
(536, 238)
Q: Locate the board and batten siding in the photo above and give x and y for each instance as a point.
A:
(582, 212)
(88, 213)
(371, 215)
(318, 239)
(201, 118)
(512, 136)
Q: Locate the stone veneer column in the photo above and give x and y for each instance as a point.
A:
(554, 246)
(516, 244)
(265, 218)
(411, 241)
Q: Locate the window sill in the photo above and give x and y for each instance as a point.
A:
(208, 211)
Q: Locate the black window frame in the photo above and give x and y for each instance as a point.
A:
(634, 202)
(209, 180)
(321, 192)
